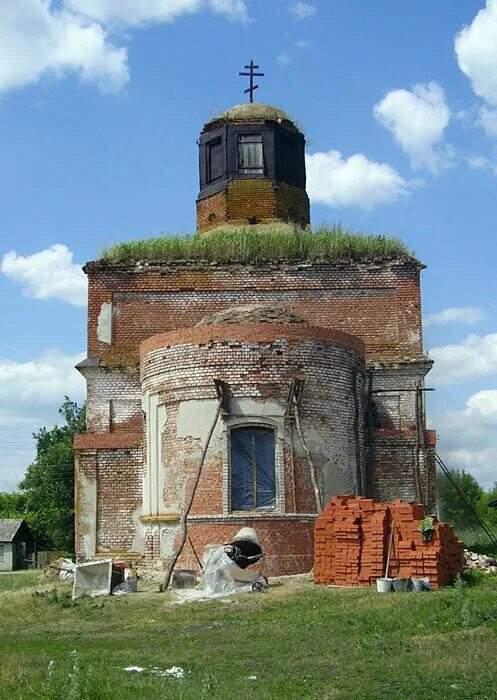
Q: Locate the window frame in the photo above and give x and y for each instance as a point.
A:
(252, 138)
(216, 141)
(2, 553)
(250, 417)
(254, 508)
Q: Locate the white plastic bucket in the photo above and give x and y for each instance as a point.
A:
(384, 585)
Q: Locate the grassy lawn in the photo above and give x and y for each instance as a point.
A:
(18, 579)
(298, 640)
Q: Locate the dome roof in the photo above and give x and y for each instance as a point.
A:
(252, 313)
(252, 111)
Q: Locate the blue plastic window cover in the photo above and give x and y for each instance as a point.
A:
(252, 468)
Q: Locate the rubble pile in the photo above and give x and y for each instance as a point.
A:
(351, 543)
(482, 562)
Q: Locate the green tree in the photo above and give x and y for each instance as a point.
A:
(48, 484)
(452, 507)
(489, 515)
(12, 505)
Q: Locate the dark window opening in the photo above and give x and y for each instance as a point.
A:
(289, 156)
(250, 154)
(214, 159)
(252, 453)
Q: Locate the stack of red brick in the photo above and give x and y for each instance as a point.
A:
(351, 543)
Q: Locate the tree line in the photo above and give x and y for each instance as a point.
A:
(45, 497)
(452, 508)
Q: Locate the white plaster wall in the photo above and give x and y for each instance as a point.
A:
(7, 563)
(86, 498)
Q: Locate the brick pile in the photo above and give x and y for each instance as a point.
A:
(351, 543)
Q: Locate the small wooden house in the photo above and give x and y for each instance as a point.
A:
(17, 545)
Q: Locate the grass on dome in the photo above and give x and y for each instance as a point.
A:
(258, 244)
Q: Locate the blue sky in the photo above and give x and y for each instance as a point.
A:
(101, 102)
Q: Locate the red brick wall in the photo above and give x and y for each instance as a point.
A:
(257, 201)
(117, 475)
(379, 303)
(259, 362)
(287, 543)
(394, 466)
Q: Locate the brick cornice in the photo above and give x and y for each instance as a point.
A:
(144, 266)
(106, 441)
(250, 332)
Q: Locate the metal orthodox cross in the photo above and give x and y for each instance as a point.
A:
(251, 74)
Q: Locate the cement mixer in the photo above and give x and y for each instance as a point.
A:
(228, 568)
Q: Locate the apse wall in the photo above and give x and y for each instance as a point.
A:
(258, 361)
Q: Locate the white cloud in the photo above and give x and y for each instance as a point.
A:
(417, 119)
(36, 39)
(133, 13)
(355, 181)
(475, 357)
(463, 314)
(234, 10)
(283, 59)
(488, 120)
(467, 437)
(49, 274)
(303, 10)
(30, 394)
(484, 404)
(476, 52)
(62, 37)
(303, 44)
(29, 389)
(478, 162)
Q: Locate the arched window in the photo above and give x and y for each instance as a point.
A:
(252, 452)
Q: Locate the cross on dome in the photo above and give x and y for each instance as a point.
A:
(251, 74)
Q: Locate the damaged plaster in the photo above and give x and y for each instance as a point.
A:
(86, 508)
(105, 322)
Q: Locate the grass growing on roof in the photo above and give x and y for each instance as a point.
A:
(257, 244)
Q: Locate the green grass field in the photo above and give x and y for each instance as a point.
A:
(296, 640)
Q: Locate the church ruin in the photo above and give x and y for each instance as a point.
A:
(317, 367)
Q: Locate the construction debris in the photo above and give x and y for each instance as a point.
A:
(482, 562)
(100, 577)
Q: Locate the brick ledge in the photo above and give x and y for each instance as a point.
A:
(106, 441)
(226, 519)
(430, 435)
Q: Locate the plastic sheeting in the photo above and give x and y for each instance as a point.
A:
(221, 576)
(252, 468)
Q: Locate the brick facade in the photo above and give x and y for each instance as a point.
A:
(258, 362)
(261, 201)
(143, 304)
(377, 302)
(150, 371)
